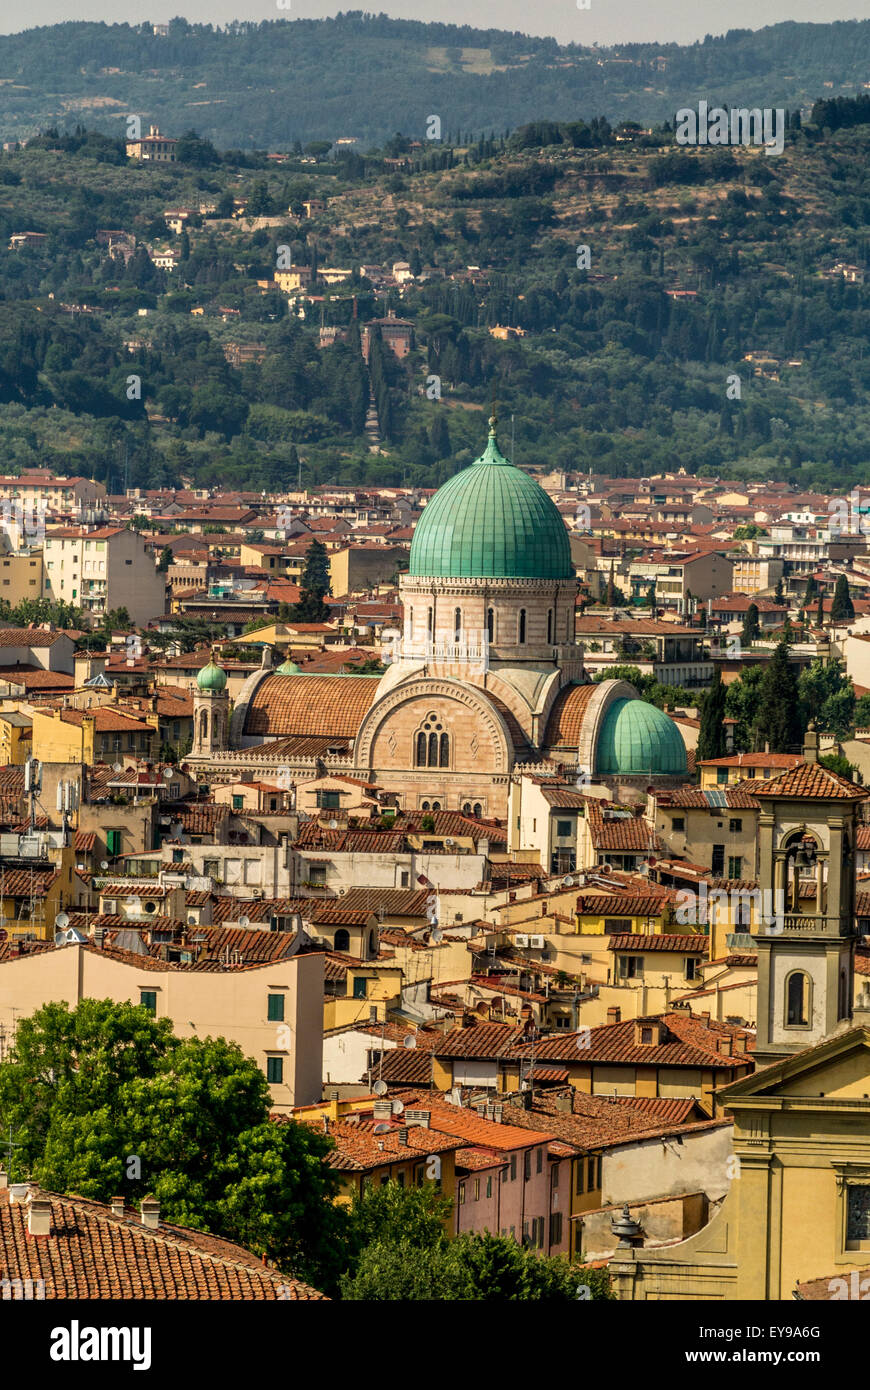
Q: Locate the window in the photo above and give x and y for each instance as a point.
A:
(722, 776)
(489, 1187)
(328, 800)
(341, 940)
(797, 999)
(693, 967)
(490, 623)
(513, 1167)
(113, 843)
(317, 875)
(211, 868)
(275, 1008)
(858, 1212)
(275, 1070)
(556, 1228)
(527, 1164)
(420, 757)
(735, 866)
(717, 863)
(178, 856)
(678, 823)
(563, 828)
(549, 624)
(477, 809)
(148, 1000)
(556, 1168)
(631, 967)
(521, 627)
(462, 1194)
(404, 878)
(238, 803)
(360, 985)
(457, 625)
(580, 1180)
(476, 1189)
(646, 1035)
(539, 1161)
(430, 621)
(432, 745)
(735, 825)
(444, 751)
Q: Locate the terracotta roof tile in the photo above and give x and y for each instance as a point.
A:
(566, 716)
(331, 706)
(813, 781)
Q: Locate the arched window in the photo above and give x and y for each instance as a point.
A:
(420, 760)
(411, 623)
(430, 621)
(203, 725)
(490, 623)
(424, 806)
(843, 1000)
(521, 633)
(341, 941)
(444, 751)
(466, 808)
(433, 750)
(457, 625)
(373, 943)
(797, 999)
(549, 624)
(436, 805)
(477, 808)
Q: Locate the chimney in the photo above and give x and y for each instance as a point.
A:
(38, 1216)
(739, 1043)
(150, 1212)
(705, 1017)
(403, 1135)
(725, 1045)
(565, 1104)
(811, 744)
(614, 1015)
(117, 1206)
(18, 1192)
(99, 937)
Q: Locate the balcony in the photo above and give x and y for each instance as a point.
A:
(806, 924)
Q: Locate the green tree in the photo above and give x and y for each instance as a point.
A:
(314, 586)
(751, 626)
(741, 704)
(779, 593)
(711, 736)
(810, 591)
(842, 608)
(837, 762)
(86, 1089)
(777, 722)
(820, 611)
(827, 696)
(479, 1268)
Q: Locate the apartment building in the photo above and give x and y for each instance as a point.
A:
(40, 488)
(103, 568)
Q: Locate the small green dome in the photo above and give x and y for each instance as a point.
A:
(288, 668)
(637, 739)
(211, 677)
(491, 521)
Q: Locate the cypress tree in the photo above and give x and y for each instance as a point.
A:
(711, 737)
(751, 626)
(842, 608)
(820, 611)
(777, 722)
(314, 586)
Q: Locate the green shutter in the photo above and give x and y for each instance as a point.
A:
(275, 1011)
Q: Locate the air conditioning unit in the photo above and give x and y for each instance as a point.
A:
(522, 940)
(448, 841)
(536, 942)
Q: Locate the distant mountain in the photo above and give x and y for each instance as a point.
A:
(267, 85)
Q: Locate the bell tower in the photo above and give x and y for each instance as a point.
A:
(210, 711)
(805, 930)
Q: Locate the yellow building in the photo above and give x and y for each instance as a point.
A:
(21, 576)
(16, 738)
(745, 767)
(91, 736)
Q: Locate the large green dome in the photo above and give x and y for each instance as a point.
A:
(638, 739)
(491, 521)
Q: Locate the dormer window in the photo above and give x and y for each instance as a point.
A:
(648, 1033)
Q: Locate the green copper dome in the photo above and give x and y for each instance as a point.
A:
(211, 677)
(491, 521)
(287, 668)
(638, 739)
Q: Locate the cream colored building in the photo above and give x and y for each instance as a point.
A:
(274, 1011)
(101, 569)
(21, 576)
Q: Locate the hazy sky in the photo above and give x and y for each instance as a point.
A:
(605, 21)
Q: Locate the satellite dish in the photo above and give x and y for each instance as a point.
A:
(437, 935)
(568, 881)
(380, 1088)
(398, 1107)
(244, 921)
(104, 863)
(168, 772)
(382, 1128)
(333, 824)
(117, 767)
(62, 920)
(409, 1041)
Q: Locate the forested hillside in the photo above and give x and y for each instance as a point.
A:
(266, 85)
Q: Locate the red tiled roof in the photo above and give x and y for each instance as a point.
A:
(687, 1042)
(566, 716)
(688, 944)
(814, 782)
(329, 706)
(91, 1254)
